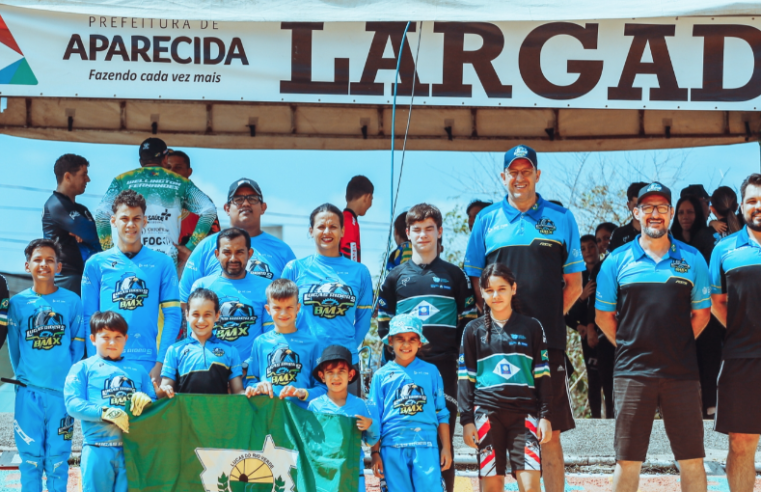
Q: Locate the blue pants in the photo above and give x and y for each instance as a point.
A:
(103, 469)
(43, 432)
(411, 469)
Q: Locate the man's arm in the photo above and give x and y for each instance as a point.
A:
(699, 319)
(5, 300)
(169, 304)
(719, 307)
(466, 304)
(77, 348)
(572, 290)
(477, 293)
(103, 214)
(197, 202)
(364, 313)
(79, 225)
(608, 323)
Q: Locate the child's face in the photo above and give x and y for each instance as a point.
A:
(43, 264)
(336, 377)
(109, 343)
(202, 317)
(283, 311)
(499, 294)
(406, 346)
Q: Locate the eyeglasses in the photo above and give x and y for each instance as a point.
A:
(662, 209)
(238, 200)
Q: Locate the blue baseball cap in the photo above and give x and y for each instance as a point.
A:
(405, 323)
(520, 152)
(654, 188)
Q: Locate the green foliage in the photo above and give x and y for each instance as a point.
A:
(279, 484)
(223, 483)
(455, 237)
(578, 383)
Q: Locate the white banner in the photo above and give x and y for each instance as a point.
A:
(666, 63)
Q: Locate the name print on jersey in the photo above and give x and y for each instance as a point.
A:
(410, 399)
(330, 300)
(130, 292)
(119, 389)
(283, 366)
(545, 226)
(46, 328)
(235, 319)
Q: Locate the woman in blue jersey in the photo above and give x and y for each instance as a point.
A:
(336, 294)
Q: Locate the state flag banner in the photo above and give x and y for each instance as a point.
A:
(223, 443)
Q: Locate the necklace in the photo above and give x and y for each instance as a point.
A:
(500, 321)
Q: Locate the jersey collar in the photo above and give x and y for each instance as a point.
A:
(674, 252)
(212, 339)
(743, 238)
(534, 212)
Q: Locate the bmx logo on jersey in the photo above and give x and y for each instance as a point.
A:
(235, 319)
(218, 352)
(118, 389)
(424, 310)
(506, 370)
(283, 366)
(239, 470)
(259, 268)
(130, 292)
(410, 399)
(545, 226)
(66, 428)
(680, 266)
(46, 329)
(330, 300)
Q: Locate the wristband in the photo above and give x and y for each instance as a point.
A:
(374, 452)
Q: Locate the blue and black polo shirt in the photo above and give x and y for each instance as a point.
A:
(202, 368)
(736, 272)
(540, 246)
(654, 303)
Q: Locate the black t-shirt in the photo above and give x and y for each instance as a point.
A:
(622, 235)
(60, 218)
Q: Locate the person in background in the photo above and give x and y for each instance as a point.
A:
(627, 232)
(473, 209)
(724, 207)
(359, 199)
(578, 319)
(69, 223)
(403, 251)
(5, 298)
(178, 162)
(603, 232)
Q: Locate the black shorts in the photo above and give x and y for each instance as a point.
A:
(561, 413)
(503, 434)
(738, 408)
(637, 400)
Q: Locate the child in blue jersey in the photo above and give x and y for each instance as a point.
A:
(241, 295)
(335, 370)
(201, 363)
(282, 360)
(407, 399)
(44, 339)
(138, 283)
(96, 392)
(336, 293)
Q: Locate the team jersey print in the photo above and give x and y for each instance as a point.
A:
(336, 295)
(270, 257)
(242, 316)
(44, 332)
(203, 368)
(143, 289)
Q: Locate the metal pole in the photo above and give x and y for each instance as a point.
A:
(393, 120)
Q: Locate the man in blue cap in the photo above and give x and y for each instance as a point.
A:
(539, 241)
(653, 300)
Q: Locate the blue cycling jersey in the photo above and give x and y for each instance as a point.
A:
(654, 303)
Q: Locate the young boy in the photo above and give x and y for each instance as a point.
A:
(407, 399)
(359, 199)
(201, 363)
(96, 392)
(335, 370)
(44, 339)
(282, 360)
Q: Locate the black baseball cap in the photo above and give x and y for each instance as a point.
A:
(243, 182)
(152, 148)
(654, 188)
(334, 353)
(695, 190)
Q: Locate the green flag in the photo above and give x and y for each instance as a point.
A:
(224, 443)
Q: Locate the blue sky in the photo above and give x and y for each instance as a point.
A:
(295, 182)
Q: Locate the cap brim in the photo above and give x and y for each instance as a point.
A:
(316, 370)
(655, 193)
(423, 339)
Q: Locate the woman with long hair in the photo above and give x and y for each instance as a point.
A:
(724, 207)
(336, 294)
(690, 226)
(504, 387)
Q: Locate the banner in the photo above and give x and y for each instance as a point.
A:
(700, 63)
(224, 443)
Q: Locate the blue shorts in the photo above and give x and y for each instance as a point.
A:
(412, 469)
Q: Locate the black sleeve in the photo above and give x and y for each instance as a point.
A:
(466, 302)
(542, 378)
(5, 298)
(387, 307)
(466, 380)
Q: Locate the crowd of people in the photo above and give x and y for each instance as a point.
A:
(114, 293)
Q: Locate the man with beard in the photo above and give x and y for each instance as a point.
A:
(735, 287)
(242, 296)
(245, 207)
(660, 289)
